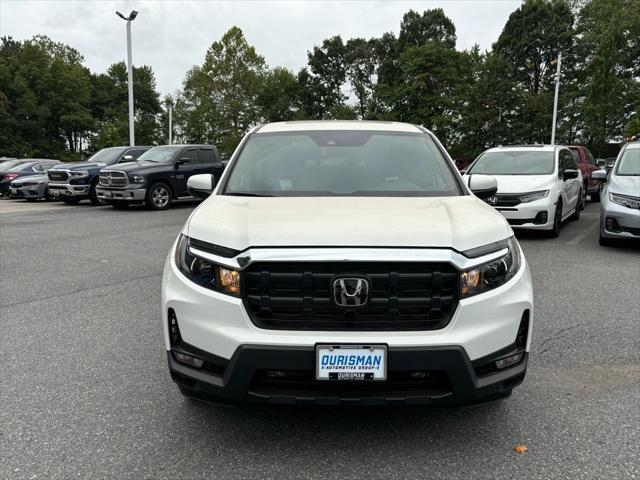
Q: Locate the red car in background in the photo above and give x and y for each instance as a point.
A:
(587, 165)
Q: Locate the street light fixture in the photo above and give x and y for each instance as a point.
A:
(132, 16)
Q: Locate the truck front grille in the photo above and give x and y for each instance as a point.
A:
(57, 176)
(298, 296)
(113, 179)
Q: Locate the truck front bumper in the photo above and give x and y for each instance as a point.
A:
(68, 190)
(441, 375)
(121, 194)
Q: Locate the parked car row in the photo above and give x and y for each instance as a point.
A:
(539, 187)
(119, 176)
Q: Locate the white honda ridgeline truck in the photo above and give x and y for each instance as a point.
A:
(342, 262)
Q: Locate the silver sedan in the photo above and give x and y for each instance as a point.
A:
(31, 187)
(620, 199)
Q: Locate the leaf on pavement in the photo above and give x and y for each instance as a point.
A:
(521, 448)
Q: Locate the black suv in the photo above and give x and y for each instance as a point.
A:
(159, 176)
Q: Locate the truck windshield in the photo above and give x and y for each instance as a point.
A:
(106, 155)
(629, 164)
(159, 154)
(341, 163)
(523, 162)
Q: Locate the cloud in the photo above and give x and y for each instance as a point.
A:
(172, 36)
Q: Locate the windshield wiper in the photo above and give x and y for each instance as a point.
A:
(247, 194)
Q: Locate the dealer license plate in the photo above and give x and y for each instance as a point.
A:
(351, 362)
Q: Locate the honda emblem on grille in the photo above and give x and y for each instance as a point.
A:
(492, 200)
(350, 291)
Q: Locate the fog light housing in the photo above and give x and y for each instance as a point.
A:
(508, 361)
(188, 359)
(611, 225)
(541, 218)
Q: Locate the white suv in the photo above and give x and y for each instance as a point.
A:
(345, 263)
(538, 186)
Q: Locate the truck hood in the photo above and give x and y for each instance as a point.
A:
(461, 223)
(79, 166)
(140, 167)
(625, 185)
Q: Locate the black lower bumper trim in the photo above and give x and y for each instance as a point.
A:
(429, 375)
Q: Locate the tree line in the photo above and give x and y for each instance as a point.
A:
(52, 105)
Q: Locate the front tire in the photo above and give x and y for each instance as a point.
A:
(557, 221)
(595, 197)
(93, 195)
(158, 196)
(576, 215)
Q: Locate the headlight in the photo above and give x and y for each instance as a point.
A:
(79, 174)
(136, 178)
(533, 196)
(625, 200)
(204, 272)
(492, 274)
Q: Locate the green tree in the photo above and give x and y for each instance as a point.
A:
(530, 40)
(278, 96)
(324, 80)
(44, 95)
(221, 98)
(432, 25)
(110, 105)
(609, 48)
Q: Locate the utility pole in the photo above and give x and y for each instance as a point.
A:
(170, 124)
(555, 99)
(132, 16)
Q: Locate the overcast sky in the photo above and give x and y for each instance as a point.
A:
(172, 35)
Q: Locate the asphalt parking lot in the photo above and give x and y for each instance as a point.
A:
(85, 391)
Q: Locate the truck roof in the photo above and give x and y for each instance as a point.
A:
(310, 125)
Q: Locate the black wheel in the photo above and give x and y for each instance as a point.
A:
(71, 200)
(93, 195)
(595, 197)
(576, 215)
(584, 197)
(557, 220)
(158, 196)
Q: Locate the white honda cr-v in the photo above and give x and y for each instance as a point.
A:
(539, 186)
(345, 263)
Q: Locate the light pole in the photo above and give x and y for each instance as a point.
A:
(170, 124)
(555, 99)
(132, 16)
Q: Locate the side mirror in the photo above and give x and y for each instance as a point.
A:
(601, 163)
(201, 186)
(599, 175)
(570, 174)
(127, 158)
(182, 161)
(483, 186)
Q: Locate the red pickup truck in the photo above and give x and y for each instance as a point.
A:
(587, 165)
